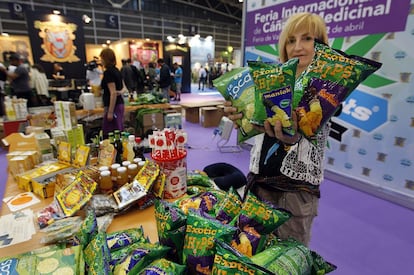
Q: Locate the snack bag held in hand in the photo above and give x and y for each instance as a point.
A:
(274, 87)
(237, 86)
(328, 80)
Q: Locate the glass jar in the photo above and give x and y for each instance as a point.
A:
(105, 182)
(132, 171)
(114, 171)
(122, 177)
(125, 163)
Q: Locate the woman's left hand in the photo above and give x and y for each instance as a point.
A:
(277, 131)
(110, 116)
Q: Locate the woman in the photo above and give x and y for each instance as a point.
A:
(112, 86)
(291, 176)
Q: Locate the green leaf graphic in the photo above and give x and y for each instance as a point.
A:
(270, 49)
(376, 81)
(338, 43)
(363, 46)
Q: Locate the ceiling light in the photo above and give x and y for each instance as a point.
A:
(209, 37)
(57, 12)
(86, 19)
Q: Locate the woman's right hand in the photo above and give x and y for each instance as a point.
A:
(110, 116)
(231, 112)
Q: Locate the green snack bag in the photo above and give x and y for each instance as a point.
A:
(237, 86)
(274, 84)
(87, 231)
(229, 207)
(140, 257)
(163, 266)
(199, 247)
(327, 82)
(229, 261)
(171, 222)
(122, 238)
(97, 255)
(287, 257)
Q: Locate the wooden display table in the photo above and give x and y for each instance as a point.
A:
(131, 219)
(192, 109)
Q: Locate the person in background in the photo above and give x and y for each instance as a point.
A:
(58, 73)
(40, 83)
(94, 76)
(287, 170)
(202, 76)
(112, 85)
(128, 75)
(139, 73)
(151, 76)
(178, 78)
(3, 78)
(165, 79)
(20, 80)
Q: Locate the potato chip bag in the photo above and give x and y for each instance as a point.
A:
(291, 257)
(328, 81)
(229, 207)
(87, 231)
(140, 257)
(171, 222)
(163, 266)
(229, 261)
(97, 255)
(122, 238)
(237, 86)
(274, 84)
(199, 246)
(260, 217)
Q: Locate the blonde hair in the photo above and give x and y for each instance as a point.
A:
(304, 20)
(108, 56)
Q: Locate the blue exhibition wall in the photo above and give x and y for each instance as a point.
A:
(372, 142)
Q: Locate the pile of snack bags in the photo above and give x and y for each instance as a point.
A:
(272, 92)
(207, 231)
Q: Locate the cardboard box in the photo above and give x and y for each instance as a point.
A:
(41, 180)
(153, 119)
(173, 120)
(20, 164)
(44, 186)
(192, 114)
(210, 116)
(66, 114)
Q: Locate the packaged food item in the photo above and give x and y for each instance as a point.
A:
(237, 86)
(199, 246)
(171, 224)
(328, 81)
(164, 266)
(291, 257)
(229, 261)
(274, 84)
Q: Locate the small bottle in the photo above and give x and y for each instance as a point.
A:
(130, 146)
(111, 138)
(118, 146)
(124, 138)
(139, 149)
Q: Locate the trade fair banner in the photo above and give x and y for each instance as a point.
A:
(372, 141)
